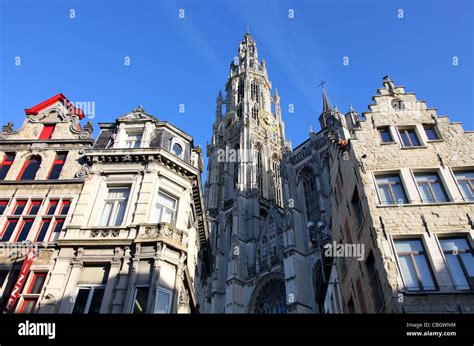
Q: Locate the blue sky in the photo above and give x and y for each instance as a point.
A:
(176, 61)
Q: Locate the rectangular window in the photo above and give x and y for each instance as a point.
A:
(37, 283)
(163, 301)
(385, 134)
(414, 265)
(465, 181)
(166, 208)
(88, 299)
(58, 164)
(34, 207)
(43, 230)
(3, 206)
(357, 206)
(47, 131)
(133, 140)
(5, 165)
(115, 206)
(24, 229)
(30, 168)
(57, 228)
(460, 259)
(53, 204)
(431, 188)
(19, 207)
(66, 205)
(140, 299)
(409, 137)
(390, 189)
(377, 289)
(431, 132)
(8, 229)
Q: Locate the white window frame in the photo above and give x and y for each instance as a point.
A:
(92, 288)
(175, 214)
(176, 140)
(170, 300)
(114, 209)
(133, 133)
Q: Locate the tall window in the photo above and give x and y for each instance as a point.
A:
(375, 281)
(357, 206)
(31, 293)
(431, 188)
(236, 167)
(6, 163)
(390, 189)
(47, 131)
(115, 206)
(8, 229)
(276, 172)
(177, 149)
(431, 132)
(465, 181)
(416, 270)
(259, 170)
(460, 259)
(385, 134)
(166, 208)
(255, 112)
(310, 195)
(133, 140)
(30, 168)
(140, 298)
(409, 137)
(163, 301)
(3, 206)
(57, 165)
(24, 229)
(90, 290)
(254, 91)
(241, 90)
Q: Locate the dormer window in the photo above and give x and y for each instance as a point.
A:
(133, 140)
(177, 149)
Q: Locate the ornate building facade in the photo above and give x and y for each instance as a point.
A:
(371, 214)
(40, 184)
(119, 225)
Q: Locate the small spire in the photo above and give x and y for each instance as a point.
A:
(311, 129)
(326, 105)
(351, 110)
(219, 96)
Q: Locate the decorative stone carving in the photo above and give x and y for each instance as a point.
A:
(84, 171)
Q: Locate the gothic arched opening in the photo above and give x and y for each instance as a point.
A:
(271, 298)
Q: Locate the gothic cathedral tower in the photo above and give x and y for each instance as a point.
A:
(243, 191)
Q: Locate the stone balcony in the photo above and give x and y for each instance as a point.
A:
(162, 232)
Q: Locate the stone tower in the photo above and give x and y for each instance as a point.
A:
(243, 192)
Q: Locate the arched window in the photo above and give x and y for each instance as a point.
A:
(254, 91)
(241, 90)
(239, 111)
(276, 177)
(271, 298)
(236, 166)
(259, 170)
(254, 112)
(30, 168)
(318, 284)
(308, 180)
(177, 149)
